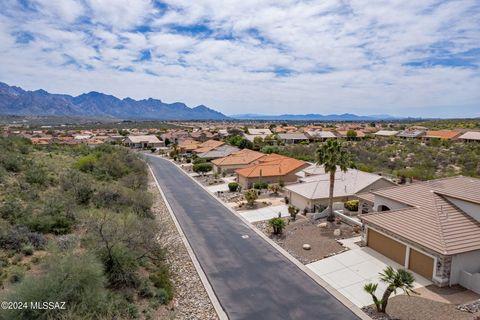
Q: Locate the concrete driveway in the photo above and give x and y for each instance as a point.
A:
(265, 213)
(349, 271)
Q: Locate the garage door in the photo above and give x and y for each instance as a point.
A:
(421, 264)
(386, 246)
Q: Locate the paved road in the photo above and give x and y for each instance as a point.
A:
(251, 279)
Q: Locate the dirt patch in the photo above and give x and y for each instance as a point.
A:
(301, 231)
(417, 308)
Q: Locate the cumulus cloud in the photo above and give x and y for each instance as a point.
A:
(418, 58)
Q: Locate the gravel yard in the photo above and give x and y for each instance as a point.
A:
(302, 231)
(191, 300)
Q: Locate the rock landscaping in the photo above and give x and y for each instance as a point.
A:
(318, 235)
(190, 300)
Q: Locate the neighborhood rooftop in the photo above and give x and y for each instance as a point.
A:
(433, 218)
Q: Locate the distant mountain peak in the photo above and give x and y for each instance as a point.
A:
(16, 101)
(312, 117)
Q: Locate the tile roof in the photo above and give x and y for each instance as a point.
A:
(411, 133)
(291, 136)
(346, 184)
(386, 133)
(219, 152)
(272, 165)
(471, 135)
(321, 134)
(259, 131)
(242, 157)
(431, 219)
(442, 134)
(146, 138)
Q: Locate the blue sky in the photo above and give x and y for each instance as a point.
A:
(408, 58)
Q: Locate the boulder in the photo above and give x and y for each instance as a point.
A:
(322, 225)
(337, 232)
(306, 246)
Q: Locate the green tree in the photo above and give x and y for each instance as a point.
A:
(331, 155)
(396, 279)
(351, 134)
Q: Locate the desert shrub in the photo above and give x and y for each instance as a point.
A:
(27, 249)
(14, 238)
(86, 163)
(135, 181)
(233, 186)
(202, 167)
(56, 216)
(36, 175)
(260, 185)
(11, 210)
(120, 266)
(250, 196)
(11, 162)
(199, 160)
(351, 205)
(16, 274)
(78, 185)
(161, 280)
(75, 279)
(119, 199)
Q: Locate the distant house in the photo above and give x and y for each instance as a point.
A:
(312, 192)
(146, 141)
(441, 134)
(291, 137)
(470, 136)
(218, 152)
(343, 133)
(207, 146)
(318, 135)
(253, 133)
(386, 133)
(431, 228)
(272, 168)
(239, 159)
(410, 134)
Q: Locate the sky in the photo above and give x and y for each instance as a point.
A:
(407, 58)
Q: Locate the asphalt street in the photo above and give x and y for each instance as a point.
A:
(251, 279)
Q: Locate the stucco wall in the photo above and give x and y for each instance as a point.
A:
(393, 205)
(469, 262)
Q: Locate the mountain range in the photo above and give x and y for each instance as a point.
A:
(313, 117)
(16, 101)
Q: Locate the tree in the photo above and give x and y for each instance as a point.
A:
(202, 167)
(250, 196)
(293, 211)
(233, 186)
(331, 155)
(351, 134)
(396, 279)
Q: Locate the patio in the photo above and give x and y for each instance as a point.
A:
(349, 271)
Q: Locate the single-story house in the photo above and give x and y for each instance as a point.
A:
(320, 135)
(343, 133)
(312, 192)
(291, 137)
(470, 136)
(253, 133)
(431, 228)
(145, 141)
(441, 134)
(239, 159)
(207, 146)
(219, 152)
(386, 133)
(411, 134)
(187, 146)
(272, 168)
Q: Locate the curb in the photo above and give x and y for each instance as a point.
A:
(334, 292)
(203, 277)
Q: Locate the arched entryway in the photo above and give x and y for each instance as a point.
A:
(383, 208)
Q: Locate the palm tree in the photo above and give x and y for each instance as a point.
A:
(396, 279)
(331, 155)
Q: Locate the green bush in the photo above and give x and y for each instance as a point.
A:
(16, 274)
(260, 185)
(278, 224)
(36, 175)
(202, 167)
(161, 280)
(27, 249)
(199, 160)
(75, 279)
(233, 186)
(11, 162)
(351, 205)
(86, 163)
(120, 266)
(78, 185)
